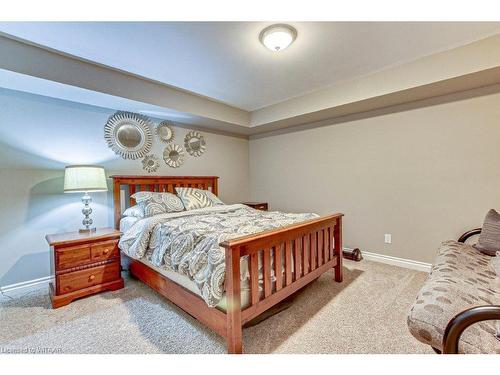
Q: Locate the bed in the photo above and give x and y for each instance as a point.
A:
(259, 269)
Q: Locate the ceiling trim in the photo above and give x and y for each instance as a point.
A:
(468, 67)
(457, 62)
(463, 83)
(406, 106)
(38, 61)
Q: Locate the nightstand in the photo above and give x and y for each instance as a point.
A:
(263, 206)
(83, 264)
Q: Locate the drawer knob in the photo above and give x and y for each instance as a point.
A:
(91, 277)
(106, 251)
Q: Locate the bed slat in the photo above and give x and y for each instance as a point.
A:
(312, 241)
(319, 241)
(131, 192)
(305, 255)
(330, 241)
(254, 277)
(278, 267)
(296, 263)
(288, 262)
(267, 272)
(325, 245)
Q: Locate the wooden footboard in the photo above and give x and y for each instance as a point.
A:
(308, 249)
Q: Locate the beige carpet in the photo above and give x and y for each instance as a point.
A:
(364, 314)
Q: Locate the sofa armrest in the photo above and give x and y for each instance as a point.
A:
(464, 237)
(460, 322)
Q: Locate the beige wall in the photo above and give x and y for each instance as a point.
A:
(423, 175)
(39, 136)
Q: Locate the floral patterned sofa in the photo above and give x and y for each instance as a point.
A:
(456, 309)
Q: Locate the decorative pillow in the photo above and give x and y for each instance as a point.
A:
(489, 239)
(134, 211)
(214, 198)
(158, 203)
(197, 198)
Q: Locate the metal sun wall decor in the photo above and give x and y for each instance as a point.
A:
(195, 143)
(173, 155)
(165, 132)
(129, 134)
(150, 163)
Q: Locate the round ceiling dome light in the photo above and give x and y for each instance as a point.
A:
(278, 37)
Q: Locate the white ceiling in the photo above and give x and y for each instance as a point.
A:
(226, 62)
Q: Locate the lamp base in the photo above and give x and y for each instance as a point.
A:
(85, 230)
(86, 211)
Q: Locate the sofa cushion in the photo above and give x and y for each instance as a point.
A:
(489, 239)
(495, 264)
(461, 278)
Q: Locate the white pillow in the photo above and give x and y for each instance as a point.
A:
(158, 203)
(193, 198)
(134, 211)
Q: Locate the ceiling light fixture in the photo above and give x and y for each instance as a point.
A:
(278, 37)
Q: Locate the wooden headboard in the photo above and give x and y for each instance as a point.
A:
(132, 184)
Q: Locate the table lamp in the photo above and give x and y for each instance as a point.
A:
(85, 179)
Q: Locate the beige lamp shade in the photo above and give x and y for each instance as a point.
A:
(84, 178)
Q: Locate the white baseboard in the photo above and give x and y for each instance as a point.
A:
(26, 286)
(395, 261)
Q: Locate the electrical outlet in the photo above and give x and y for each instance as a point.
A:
(388, 238)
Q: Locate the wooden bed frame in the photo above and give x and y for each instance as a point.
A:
(310, 249)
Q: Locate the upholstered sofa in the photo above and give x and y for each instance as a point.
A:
(456, 309)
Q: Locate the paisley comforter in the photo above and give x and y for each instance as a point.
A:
(188, 242)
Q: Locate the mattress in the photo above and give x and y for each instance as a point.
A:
(185, 246)
(127, 222)
(190, 285)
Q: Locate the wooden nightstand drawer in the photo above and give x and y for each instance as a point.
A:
(104, 250)
(77, 280)
(72, 256)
